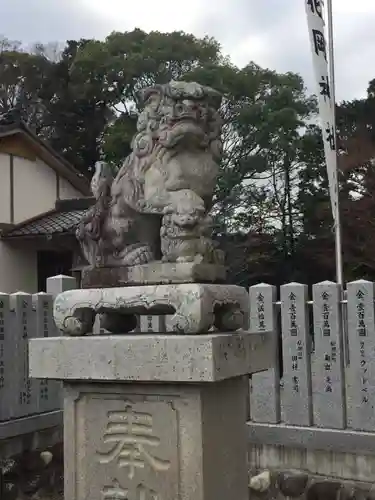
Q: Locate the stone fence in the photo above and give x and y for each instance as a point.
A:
(315, 411)
(324, 375)
(324, 355)
(24, 316)
(30, 410)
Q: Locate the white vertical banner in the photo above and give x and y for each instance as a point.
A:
(316, 27)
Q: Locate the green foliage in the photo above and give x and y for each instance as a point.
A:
(123, 64)
(271, 205)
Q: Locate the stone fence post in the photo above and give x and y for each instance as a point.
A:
(56, 285)
(59, 284)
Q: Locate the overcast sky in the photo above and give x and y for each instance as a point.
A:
(272, 33)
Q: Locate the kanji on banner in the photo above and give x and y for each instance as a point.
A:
(316, 26)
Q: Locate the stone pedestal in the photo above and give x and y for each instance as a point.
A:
(154, 417)
(197, 307)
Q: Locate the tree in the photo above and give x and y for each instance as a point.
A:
(257, 191)
(263, 113)
(89, 101)
(77, 114)
(38, 82)
(356, 153)
(357, 163)
(24, 82)
(124, 64)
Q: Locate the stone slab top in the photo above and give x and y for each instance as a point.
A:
(154, 273)
(150, 357)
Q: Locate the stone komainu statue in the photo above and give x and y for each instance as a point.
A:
(157, 205)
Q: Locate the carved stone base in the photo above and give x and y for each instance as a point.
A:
(154, 417)
(196, 307)
(152, 274)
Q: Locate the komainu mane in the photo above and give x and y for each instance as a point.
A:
(157, 205)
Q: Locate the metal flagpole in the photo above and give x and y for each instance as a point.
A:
(338, 241)
(337, 228)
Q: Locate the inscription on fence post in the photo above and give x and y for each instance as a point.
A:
(361, 333)
(8, 342)
(23, 329)
(49, 390)
(265, 386)
(328, 384)
(296, 342)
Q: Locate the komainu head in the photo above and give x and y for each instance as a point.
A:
(179, 114)
(177, 145)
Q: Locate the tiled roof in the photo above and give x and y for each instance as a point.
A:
(48, 224)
